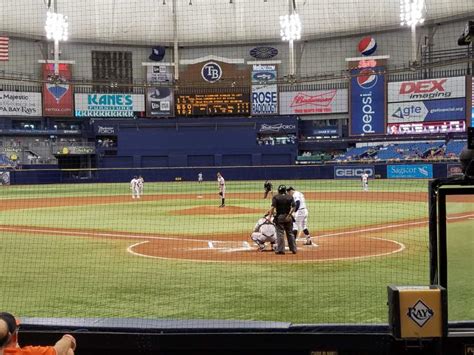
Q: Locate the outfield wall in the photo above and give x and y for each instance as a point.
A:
(291, 172)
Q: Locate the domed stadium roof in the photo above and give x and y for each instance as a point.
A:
(212, 21)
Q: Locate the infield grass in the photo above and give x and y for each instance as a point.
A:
(72, 276)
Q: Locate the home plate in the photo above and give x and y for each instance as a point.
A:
(199, 196)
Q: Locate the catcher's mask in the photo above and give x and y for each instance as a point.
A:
(282, 189)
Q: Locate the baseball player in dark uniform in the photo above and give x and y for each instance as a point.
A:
(283, 206)
(268, 187)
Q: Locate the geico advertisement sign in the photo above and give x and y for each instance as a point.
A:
(431, 89)
(350, 172)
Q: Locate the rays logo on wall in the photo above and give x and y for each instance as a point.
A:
(57, 97)
(367, 46)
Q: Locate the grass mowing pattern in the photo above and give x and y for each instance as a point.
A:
(67, 276)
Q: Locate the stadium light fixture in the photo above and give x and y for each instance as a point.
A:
(56, 26)
(57, 30)
(412, 13)
(290, 27)
(290, 31)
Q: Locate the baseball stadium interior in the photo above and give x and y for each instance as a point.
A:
(238, 176)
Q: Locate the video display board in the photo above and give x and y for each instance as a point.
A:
(215, 104)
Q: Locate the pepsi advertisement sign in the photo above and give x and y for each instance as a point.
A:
(367, 101)
(353, 172)
(415, 171)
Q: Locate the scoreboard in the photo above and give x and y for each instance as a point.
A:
(218, 104)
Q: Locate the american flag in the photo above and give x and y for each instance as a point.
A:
(4, 48)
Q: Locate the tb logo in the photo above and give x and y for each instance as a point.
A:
(211, 72)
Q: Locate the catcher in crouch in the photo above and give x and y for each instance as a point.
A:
(263, 232)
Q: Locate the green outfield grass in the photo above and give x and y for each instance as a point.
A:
(72, 276)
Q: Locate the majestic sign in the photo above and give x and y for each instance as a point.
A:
(415, 171)
(118, 106)
(14, 103)
(367, 101)
(314, 102)
(212, 104)
(264, 90)
(353, 172)
(426, 127)
(431, 89)
(432, 110)
(57, 95)
(159, 102)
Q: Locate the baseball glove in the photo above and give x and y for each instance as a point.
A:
(220, 193)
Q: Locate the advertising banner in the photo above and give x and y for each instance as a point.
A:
(353, 172)
(430, 89)
(454, 170)
(431, 110)
(101, 129)
(426, 127)
(159, 102)
(159, 74)
(57, 95)
(276, 128)
(14, 103)
(111, 106)
(264, 99)
(415, 171)
(4, 177)
(367, 101)
(331, 131)
(264, 90)
(314, 102)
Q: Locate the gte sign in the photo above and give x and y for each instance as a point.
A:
(352, 172)
(431, 89)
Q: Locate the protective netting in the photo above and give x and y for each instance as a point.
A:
(93, 250)
(127, 91)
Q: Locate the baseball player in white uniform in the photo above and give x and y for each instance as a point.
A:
(140, 182)
(199, 177)
(135, 188)
(263, 232)
(221, 184)
(301, 215)
(365, 181)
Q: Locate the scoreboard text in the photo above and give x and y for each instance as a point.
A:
(213, 104)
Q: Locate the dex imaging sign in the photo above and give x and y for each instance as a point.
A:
(415, 171)
(431, 89)
(367, 101)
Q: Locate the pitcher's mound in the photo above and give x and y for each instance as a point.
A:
(215, 210)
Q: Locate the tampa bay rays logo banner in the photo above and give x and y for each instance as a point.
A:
(57, 94)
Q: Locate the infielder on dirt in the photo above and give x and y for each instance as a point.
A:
(221, 184)
(263, 232)
(141, 183)
(268, 187)
(301, 214)
(365, 181)
(134, 187)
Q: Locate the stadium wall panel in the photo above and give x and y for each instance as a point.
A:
(230, 172)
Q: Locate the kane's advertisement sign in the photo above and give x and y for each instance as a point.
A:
(111, 106)
(314, 102)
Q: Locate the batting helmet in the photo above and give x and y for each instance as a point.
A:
(282, 189)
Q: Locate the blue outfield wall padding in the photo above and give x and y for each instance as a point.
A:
(289, 172)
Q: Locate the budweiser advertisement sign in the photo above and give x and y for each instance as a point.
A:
(314, 102)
